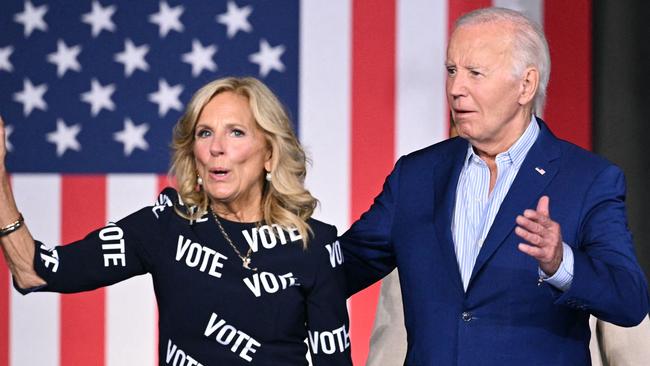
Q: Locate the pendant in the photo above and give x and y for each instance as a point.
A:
(246, 264)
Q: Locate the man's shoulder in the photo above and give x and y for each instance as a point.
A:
(582, 159)
(572, 154)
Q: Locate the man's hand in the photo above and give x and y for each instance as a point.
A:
(543, 237)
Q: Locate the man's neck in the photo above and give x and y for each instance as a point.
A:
(489, 150)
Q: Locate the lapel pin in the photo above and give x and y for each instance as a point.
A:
(540, 170)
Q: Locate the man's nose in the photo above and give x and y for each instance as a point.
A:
(456, 85)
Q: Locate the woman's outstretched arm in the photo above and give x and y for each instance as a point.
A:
(16, 241)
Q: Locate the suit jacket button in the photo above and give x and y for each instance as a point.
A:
(466, 316)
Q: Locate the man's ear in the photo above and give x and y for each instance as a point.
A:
(529, 85)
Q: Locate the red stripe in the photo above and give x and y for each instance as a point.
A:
(165, 181)
(568, 111)
(5, 295)
(457, 8)
(83, 208)
(373, 131)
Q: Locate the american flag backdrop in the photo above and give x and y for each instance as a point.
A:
(90, 90)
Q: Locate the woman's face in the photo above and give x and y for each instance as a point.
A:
(231, 153)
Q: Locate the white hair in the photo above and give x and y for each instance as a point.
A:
(530, 47)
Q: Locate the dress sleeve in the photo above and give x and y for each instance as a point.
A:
(105, 256)
(327, 317)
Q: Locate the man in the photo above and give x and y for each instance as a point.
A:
(506, 238)
(610, 345)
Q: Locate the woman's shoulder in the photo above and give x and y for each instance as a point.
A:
(325, 251)
(169, 201)
(167, 198)
(165, 206)
(322, 232)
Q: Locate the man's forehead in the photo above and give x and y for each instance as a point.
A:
(480, 40)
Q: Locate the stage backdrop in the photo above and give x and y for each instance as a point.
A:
(90, 92)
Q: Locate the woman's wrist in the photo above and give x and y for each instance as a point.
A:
(9, 228)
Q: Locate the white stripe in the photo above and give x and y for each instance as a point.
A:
(131, 315)
(34, 330)
(325, 31)
(421, 108)
(532, 8)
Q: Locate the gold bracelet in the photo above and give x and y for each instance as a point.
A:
(13, 226)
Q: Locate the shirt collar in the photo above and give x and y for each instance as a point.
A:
(517, 152)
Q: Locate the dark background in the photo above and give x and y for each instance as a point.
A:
(621, 60)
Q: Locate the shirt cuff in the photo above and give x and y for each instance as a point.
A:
(563, 277)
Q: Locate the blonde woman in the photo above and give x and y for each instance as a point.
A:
(242, 273)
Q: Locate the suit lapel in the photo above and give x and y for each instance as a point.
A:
(538, 169)
(445, 182)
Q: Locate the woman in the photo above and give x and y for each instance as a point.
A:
(242, 274)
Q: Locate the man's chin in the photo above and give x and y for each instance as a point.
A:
(462, 129)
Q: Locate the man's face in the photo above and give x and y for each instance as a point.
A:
(482, 92)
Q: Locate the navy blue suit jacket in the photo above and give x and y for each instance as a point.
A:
(505, 317)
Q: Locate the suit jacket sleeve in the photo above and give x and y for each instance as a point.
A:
(608, 281)
(367, 245)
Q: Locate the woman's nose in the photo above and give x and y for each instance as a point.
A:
(217, 145)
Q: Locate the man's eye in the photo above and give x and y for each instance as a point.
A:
(451, 71)
(474, 73)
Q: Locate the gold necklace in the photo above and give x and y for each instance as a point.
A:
(246, 260)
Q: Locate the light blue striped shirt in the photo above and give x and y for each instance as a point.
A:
(476, 207)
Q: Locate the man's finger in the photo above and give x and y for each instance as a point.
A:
(542, 206)
(528, 236)
(531, 250)
(534, 225)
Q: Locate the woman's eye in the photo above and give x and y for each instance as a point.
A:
(237, 132)
(203, 133)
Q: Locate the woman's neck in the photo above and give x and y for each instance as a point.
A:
(232, 212)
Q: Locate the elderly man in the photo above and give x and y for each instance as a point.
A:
(506, 238)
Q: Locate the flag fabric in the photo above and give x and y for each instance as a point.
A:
(90, 92)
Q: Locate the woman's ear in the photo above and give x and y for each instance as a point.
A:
(269, 159)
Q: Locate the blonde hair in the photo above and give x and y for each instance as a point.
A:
(285, 201)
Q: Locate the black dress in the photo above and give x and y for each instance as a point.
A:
(212, 310)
